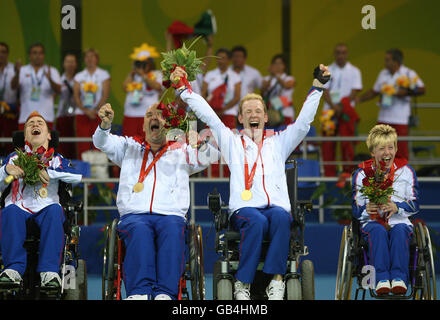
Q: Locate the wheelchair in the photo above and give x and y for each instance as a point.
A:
(114, 252)
(353, 256)
(72, 267)
(299, 277)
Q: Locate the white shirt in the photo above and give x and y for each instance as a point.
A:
(342, 82)
(215, 78)
(9, 95)
(147, 96)
(251, 80)
(42, 102)
(166, 187)
(27, 197)
(98, 77)
(66, 104)
(277, 90)
(400, 109)
(269, 187)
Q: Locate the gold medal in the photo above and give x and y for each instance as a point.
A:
(246, 195)
(43, 192)
(138, 187)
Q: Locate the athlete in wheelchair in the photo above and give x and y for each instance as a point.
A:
(299, 282)
(259, 201)
(382, 247)
(152, 199)
(39, 233)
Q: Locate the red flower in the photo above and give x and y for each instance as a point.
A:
(166, 113)
(387, 183)
(174, 122)
(181, 112)
(366, 182)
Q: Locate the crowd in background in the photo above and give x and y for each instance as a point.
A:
(80, 94)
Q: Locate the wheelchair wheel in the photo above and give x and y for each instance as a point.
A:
(307, 280)
(344, 277)
(294, 290)
(196, 266)
(426, 263)
(110, 264)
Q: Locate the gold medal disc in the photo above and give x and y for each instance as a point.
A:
(138, 187)
(246, 195)
(43, 192)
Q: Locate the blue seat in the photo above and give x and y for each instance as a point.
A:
(83, 167)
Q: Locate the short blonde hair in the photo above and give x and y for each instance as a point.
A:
(381, 134)
(92, 50)
(251, 96)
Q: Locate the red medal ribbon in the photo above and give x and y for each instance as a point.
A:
(248, 178)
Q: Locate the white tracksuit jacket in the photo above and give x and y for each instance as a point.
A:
(269, 187)
(166, 187)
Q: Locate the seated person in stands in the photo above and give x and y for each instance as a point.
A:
(39, 202)
(386, 227)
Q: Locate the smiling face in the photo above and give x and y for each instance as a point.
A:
(153, 125)
(385, 152)
(252, 115)
(37, 133)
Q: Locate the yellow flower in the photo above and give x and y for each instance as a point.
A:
(144, 52)
(388, 90)
(151, 75)
(134, 86)
(414, 80)
(402, 81)
(328, 125)
(90, 87)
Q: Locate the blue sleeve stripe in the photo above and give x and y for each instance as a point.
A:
(65, 166)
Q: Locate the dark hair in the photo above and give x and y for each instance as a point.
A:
(278, 56)
(225, 51)
(4, 44)
(71, 54)
(396, 55)
(36, 44)
(239, 49)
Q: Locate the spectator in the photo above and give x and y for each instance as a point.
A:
(143, 87)
(91, 90)
(222, 88)
(65, 123)
(346, 82)
(395, 85)
(8, 99)
(38, 84)
(251, 78)
(277, 90)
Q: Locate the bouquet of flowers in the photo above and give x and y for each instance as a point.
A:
(184, 58)
(33, 162)
(328, 122)
(90, 87)
(377, 187)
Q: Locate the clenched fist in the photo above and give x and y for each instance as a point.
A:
(106, 115)
(321, 75)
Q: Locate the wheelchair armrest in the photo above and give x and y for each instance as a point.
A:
(306, 204)
(215, 206)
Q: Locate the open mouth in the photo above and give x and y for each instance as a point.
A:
(254, 124)
(35, 132)
(154, 127)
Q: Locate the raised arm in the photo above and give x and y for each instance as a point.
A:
(114, 146)
(292, 136)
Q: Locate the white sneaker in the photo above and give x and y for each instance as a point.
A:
(162, 297)
(137, 297)
(383, 287)
(398, 286)
(50, 279)
(242, 290)
(10, 276)
(275, 290)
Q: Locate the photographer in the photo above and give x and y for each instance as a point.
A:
(143, 87)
